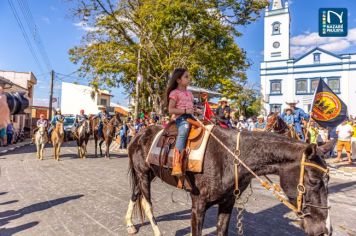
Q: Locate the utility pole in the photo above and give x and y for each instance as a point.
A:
(51, 97)
(139, 77)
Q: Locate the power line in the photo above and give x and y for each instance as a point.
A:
(24, 34)
(34, 30)
(70, 75)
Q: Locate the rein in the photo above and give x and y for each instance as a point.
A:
(277, 191)
(277, 131)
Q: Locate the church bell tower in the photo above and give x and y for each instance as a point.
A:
(277, 31)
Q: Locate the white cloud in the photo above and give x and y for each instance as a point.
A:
(336, 46)
(308, 40)
(84, 26)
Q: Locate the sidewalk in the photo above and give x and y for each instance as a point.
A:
(12, 147)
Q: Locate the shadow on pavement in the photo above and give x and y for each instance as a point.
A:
(267, 222)
(341, 187)
(9, 202)
(16, 229)
(7, 216)
(21, 150)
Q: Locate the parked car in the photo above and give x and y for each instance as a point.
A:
(68, 124)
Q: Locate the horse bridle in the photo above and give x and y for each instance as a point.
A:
(277, 190)
(272, 126)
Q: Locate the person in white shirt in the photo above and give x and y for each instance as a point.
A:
(241, 125)
(344, 132)
(322, 136)
(251, 124)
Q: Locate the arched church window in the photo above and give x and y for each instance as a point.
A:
(276, 28)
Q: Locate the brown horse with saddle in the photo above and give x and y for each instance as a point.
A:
(219, 166)
(110, 126)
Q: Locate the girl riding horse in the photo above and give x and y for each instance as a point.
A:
(181, 105)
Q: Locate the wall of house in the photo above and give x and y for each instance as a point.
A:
(76, 97)
(23, 82)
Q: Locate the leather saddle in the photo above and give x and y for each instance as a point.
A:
(169, 135)
(167, 141)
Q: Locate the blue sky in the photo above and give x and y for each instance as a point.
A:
(59, 33)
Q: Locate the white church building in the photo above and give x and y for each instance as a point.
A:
(284, 78)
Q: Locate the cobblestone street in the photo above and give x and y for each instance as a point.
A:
(90, 197)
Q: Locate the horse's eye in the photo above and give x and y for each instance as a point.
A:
(313, 182)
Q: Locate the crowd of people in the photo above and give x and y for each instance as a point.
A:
(306, 128)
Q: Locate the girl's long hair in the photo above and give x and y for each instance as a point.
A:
(172, 83)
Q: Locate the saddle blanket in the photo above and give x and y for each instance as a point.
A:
(195, 157)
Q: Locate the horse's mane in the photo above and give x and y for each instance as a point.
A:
(253, 143)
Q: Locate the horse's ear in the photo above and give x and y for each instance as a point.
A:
(327, 147)
(310, 151)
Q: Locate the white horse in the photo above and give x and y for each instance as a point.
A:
(41, 139)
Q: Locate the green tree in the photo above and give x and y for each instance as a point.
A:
(248, 101)
(160, 35)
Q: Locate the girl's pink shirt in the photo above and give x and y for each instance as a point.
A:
(184, 98)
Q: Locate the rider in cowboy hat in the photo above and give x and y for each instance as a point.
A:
(260, 124)
(288, 118)
(223, 112)
(103, 114)
(58, 116)
(298, 114)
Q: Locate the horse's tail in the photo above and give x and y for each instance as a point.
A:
(134, 182)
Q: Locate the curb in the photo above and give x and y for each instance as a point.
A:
(15, 147)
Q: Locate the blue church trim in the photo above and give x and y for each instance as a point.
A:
(311, 65)
(317, 49)
(305, 72)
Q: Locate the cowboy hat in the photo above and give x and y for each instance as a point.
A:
(241, 118)
(58, 110)
(292, 101)
(101, 107)
(260, 117)
(223, 99)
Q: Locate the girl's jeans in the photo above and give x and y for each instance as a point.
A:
(183, 131)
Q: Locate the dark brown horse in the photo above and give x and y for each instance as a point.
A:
(109, 130)
(82, 137)
(265, 153)
(277, 125)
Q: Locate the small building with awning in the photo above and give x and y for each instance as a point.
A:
(122, 110)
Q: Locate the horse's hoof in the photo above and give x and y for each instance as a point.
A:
(131, 229)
